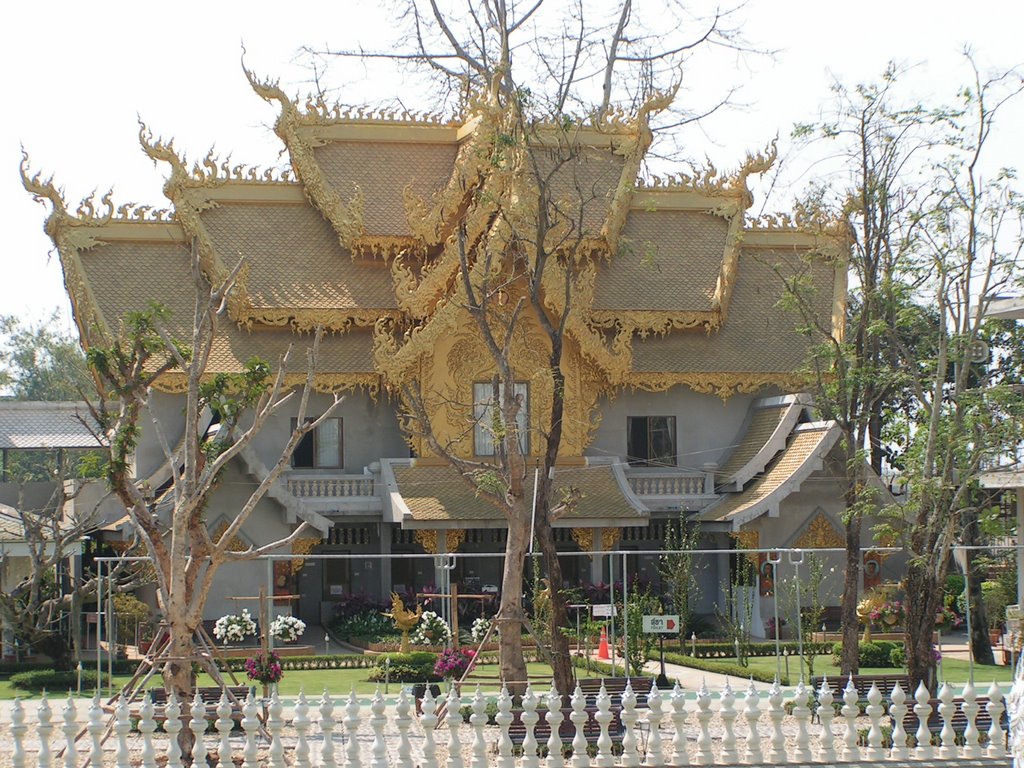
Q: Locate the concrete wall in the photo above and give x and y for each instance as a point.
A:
(706, 427)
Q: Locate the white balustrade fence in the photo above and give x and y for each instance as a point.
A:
(788, 727)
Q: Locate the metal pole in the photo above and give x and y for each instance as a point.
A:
(111, 631)
(533, 508)
(611, 600)
(99, 616)
(269, 610)
(774, 558)
(967, 603)
(625, 617)
(796, 557)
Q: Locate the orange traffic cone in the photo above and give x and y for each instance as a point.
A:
(602, 648)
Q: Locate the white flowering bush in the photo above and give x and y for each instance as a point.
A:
(479, 629)
(234, 628)
(287, 629)
(432, 630)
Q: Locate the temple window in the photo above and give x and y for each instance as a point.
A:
(320, 449)
(651, 441)
(483, 404)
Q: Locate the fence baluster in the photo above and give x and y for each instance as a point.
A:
(251, 726)
(554, 701)
(874, 712)
(947, 749)
(654, 754)
(995, 708)
(224, 726)
(429, 722)
(172, 724)
(923, 710)
(802, 715)
(300, 722)
(504, 720)
(146, 727)
(826, 713)
(580, 758)
(378, 720)
(680, 754)
(727, 712)
(850, 710)
(630, 756)
(18, 729)
(752, 714)
(454, 721)
(198, 726)
(530, 718)
(326, 709)
(972, 748)
(776, 714)
(403, 720)
(350, 722)
(44, 731)
(604, 757)
(122, 727)
(704, 715)
(478, 719)
(275, 724)
(898, 710)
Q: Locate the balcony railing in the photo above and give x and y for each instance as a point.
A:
(331, 486)
(668, 484)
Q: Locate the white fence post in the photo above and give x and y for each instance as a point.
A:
(326, 709)
(350, 723)
(146, 727)
(704, 756)
(478, 720)
(428, 722)
(529, 718)
(947, 750)
(300, 722)
(627, 716)
(972, 749)
(655, 754)
(122, 727)
(224, 726)
(275, 724)
(802, 715)
(251, 726)
(604, 740)
(504, 720)
(898, 710)
(923, 710)
(776, 713)
(198, 726)
(18, 729)
(45, 731)
(680, 754)
(172, 724)
(874, 713)
(580, 758)
(727, 712)
(753, 753)
(403, 721)
(377, 722)
(554, 718)
(995, 708)
(826, 713)
(454, 720)
(850, 711)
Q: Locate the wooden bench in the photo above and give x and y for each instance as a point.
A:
(591, 688)
(982, 721)
(209, 694)
(862, 683)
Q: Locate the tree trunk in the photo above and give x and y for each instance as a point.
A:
(923, 585)
(510, 609)
(561, 660)
(177, 676)
(981, 644)
(850, 660)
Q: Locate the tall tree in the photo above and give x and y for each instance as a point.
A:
(524, 240)
(38, 361)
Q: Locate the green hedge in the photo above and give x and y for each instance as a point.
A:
(49, 679)
(295, 663)
(8, 668)
(875, 653)
(725, 650)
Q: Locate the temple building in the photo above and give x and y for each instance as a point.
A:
(683, 363)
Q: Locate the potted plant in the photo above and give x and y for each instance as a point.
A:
(234, 628)
(287, 629)
(264, 668)
(432, 630)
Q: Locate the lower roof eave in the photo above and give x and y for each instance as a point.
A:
(410, 523)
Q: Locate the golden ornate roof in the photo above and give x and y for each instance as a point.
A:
(438, 495)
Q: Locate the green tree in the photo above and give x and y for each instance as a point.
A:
(40, 362)
(677, 567)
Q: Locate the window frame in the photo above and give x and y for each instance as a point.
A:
(482, 417)
(311, 436)
(648, 460)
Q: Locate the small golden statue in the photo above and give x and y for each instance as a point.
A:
(404, 619)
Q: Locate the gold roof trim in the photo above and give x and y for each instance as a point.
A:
(346, 218)
(71, 235)
(176, 382)
(307, 320)
(722, 384)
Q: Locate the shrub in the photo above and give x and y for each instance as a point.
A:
(898, 656)
(416, 667)
(877, 653)
(38, 679)
(995, 598)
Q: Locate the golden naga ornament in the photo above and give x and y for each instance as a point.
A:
(404, 619)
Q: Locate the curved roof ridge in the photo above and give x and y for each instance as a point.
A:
(763, 435)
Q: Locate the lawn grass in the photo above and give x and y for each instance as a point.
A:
(338, 682)
(954, 670)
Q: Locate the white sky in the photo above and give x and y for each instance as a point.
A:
(78, 74)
